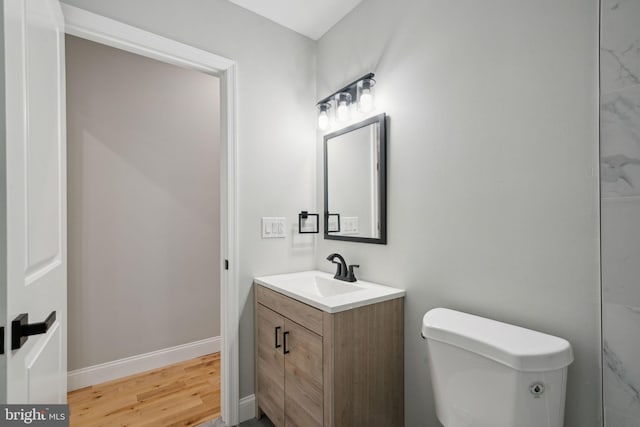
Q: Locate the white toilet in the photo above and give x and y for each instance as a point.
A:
(491, 374)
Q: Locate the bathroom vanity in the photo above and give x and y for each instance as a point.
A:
(328, 353)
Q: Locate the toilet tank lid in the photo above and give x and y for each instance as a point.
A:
(519, 348)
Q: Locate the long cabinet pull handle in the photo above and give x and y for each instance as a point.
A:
(277, 329)
(284, 336)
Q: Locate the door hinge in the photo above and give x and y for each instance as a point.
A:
(226, 264)
(1, 339)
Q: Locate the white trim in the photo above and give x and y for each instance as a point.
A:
(230, 316)
(87, 25)
(81, 23)
(143, 362)
(247, 408)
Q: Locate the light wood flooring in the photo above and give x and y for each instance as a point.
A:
(184, 394)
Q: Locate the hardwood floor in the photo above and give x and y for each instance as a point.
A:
(184, 394)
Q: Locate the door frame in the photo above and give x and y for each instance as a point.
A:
(97, 28)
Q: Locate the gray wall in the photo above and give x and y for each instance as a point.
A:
(143, 204)
(276, 119)
(493, 160)
(620, 162)
(492, 141)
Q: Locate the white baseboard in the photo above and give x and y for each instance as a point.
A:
(143, 362)
(247, 408)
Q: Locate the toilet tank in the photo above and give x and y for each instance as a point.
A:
(487, 373)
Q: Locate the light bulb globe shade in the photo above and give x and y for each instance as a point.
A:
(365, 95)
(342, 111)
(323, 120)
(366, 101)
(343, 99)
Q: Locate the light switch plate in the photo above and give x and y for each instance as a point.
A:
(349, 225)
(274, 227)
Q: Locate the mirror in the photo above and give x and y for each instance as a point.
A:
(355, 198)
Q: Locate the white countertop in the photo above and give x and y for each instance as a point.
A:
(320, 290)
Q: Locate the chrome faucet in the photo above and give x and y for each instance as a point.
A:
(343, 272)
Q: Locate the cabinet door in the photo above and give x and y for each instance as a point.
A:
(303, 377)
(270, 365)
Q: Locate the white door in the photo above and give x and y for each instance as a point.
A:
(34, 186)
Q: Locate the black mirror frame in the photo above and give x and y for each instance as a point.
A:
(382, 175)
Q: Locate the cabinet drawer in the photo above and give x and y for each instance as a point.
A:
(303, 314)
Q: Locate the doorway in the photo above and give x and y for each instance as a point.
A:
(112, 33)
(143, 140)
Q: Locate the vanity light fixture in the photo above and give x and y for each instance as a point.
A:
(359, 91)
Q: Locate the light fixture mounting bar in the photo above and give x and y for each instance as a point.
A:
(350, 88)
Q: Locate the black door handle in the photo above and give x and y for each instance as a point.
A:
(21, 329)
(284, 336)
(277, 329)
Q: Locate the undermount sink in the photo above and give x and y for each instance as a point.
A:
(320, 290)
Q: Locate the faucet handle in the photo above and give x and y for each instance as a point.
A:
(351, 277)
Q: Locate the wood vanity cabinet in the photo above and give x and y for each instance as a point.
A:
(318, 369)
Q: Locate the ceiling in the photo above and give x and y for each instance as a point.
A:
(311, 18)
